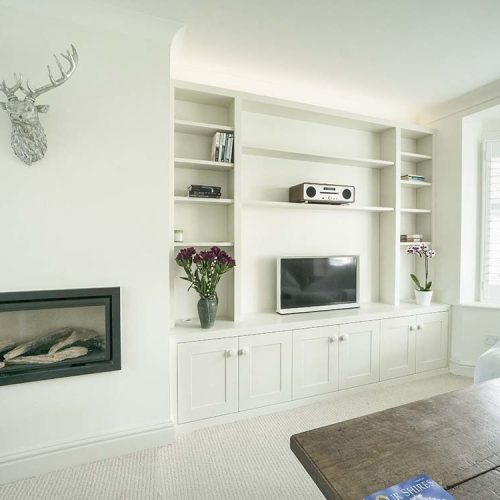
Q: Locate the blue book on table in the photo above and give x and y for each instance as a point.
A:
(417, 488)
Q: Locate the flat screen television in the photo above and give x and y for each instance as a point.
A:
(317, 283)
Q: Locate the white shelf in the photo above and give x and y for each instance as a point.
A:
(316, 206)
(408, 243)
(415, 184)
(337, 160)
(415, 157)
(415, 211)
(215, 201)
(200, 128)
(194, 164)
(203, 244)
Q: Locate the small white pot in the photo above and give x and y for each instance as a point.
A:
(423, 298)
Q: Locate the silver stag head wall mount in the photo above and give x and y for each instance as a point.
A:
(28, 138)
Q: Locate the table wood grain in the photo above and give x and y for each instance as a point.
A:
(453, 438)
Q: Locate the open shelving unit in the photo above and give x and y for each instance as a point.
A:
(279, 144)
(416, 201)
(206, 222)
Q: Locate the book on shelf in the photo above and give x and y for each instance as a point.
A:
(420, 487)
(411, 238)
(413, 178)
(222, 147)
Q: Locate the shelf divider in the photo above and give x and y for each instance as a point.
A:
(415, 184)
(199, 128)
(298, 156)
(317, 206)
(195, 164)
(215, 201)
(414, 157)
(203, 244)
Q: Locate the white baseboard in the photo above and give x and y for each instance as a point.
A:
(41, 460)
(461, 369)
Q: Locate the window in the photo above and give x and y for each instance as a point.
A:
(490, 289)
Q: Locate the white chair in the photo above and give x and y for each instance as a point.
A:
(488, 365)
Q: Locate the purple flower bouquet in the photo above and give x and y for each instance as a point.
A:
(204, 269)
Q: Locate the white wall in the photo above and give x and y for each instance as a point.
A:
(93, 213)
(458, 227)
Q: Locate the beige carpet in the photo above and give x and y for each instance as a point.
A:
(244, 460)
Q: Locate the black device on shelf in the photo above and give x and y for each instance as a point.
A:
(201, 191)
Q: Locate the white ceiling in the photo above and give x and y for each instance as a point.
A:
(391, 58)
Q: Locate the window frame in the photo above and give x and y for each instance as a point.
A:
(487, 293)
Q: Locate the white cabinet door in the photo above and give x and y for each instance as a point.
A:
(315, 361)
(207, 379)
(432, 341)
(397, 347)
(265, 369)
(359, 354)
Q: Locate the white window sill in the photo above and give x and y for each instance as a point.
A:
(481, 305)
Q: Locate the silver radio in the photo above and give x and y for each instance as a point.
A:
(310, 192)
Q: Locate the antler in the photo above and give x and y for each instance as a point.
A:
(11, 91)
(72, 57)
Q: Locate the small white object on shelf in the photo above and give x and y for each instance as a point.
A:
(178, 235)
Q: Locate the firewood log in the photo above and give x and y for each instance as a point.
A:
(70, 353)
(81, 337)
(39, 345)
(7, 345)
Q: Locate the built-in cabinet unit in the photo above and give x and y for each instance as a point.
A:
(254, 358)
(283, 361)
(278, 144)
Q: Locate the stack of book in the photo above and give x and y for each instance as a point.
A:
(411, 238)
(222, 147)
(200, 191)
(413, 178)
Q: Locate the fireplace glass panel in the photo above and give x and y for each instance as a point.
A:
(58, 336)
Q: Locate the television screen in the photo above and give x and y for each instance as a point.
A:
(317, 283)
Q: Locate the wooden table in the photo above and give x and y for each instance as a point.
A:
(454, 438)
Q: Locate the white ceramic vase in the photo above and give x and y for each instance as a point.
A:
(423, 298)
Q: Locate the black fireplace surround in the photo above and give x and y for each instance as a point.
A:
(58, 333)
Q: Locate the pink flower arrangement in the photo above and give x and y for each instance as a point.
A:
(204, 269)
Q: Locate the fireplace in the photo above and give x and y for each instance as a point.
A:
(58, 333)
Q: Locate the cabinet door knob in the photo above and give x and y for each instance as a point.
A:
(332, 339)
(230, 352)
(420, 327)
(243, 351)
(343, 338)
(412, 328)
